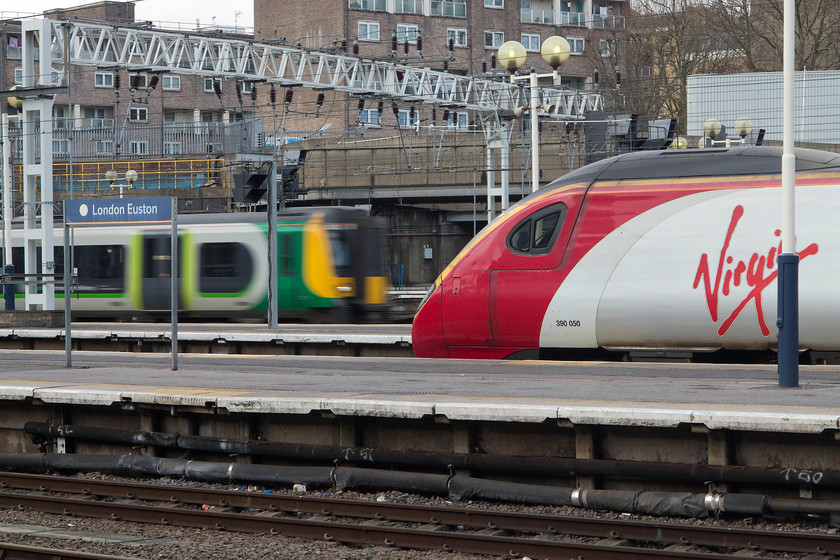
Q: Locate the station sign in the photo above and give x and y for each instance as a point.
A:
(134, 210)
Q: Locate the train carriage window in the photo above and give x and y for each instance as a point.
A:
(225, 268)
(536, 234)
(340, 243)
(101, 268)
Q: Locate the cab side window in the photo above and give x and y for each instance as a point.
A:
(536, 234)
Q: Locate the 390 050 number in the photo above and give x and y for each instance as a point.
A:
(564, 323)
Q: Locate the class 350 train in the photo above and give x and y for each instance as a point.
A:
(329, 267)
(661, 251)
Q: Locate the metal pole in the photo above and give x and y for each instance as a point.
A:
(535, 136)
(173, 273)
(272, 245)
(788, 261)
(68, 262)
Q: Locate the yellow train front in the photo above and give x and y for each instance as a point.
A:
(329, 267)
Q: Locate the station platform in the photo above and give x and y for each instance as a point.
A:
(732, 397)
(217, 338)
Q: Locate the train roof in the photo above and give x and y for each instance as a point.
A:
(331, 214)
(708, 162)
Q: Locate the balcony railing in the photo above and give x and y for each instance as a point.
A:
(537, 16)
(449, 9)
(608, 22)
(573, 19)
(149, 140)
(408, 6)
(369, 5)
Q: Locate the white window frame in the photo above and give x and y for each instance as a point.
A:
(577, 45)
(407, 31)
(368, 31)
(246, 86)
(457, 33)
(172, 149)
(369, 117)
(494, 4)
(143, 80)
(462, 120)
(208, 83)
(138, 147)
(138, 114)
(19, 75)
(403, 117)
(171, 82)
(496, 39)
(531, 42)
(103, 80)
(606, 47)
(104, 147)
(60, 146)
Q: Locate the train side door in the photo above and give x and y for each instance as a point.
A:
(157, 283)
(465, 309)
(524, 283)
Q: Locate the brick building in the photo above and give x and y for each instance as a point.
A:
(460, 36)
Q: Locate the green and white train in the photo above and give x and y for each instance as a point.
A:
(329, 267)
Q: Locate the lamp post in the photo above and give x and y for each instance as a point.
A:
(130, 176)
(712, 128)
(512, 55)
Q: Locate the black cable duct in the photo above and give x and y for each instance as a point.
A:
(457, 487)
(556, 466)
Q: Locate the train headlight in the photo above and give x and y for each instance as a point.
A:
(344, 289)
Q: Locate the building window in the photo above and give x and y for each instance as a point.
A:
(406, 32)
(18, 75)
(207, 116)
(404, 118)
(458, 36)
(138, 114)
(103, 79)
(493, 39)
(60, 147)
(169, 116)
(138, 81)
(458, 119)
(171, 148)
(209, 82)
(369, 117)
(170, 82)
(576, 45)
(369, 5)
(58, 117)
(494, 3)
(138, 147)
(247, 87)
(368, 31)
(104, 147)
(531, 42)
(606, 47)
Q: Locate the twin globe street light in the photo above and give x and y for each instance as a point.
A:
(511, 55)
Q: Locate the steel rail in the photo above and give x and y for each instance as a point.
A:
(20, 552)
(347, 533)
(642, 531)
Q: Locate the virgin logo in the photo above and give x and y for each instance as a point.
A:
(758, 273)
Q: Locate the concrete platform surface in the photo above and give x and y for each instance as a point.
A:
(742, 397)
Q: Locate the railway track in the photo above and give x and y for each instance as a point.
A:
(18, 552)
(359, 522)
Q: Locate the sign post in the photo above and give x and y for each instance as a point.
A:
(122, 211)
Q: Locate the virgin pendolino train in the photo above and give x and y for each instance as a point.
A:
(664, 252)
(329, 267)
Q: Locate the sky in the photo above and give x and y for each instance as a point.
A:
(225, 12)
